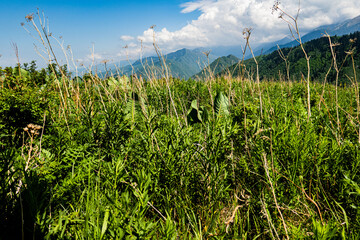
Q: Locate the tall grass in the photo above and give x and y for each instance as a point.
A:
(125, 158)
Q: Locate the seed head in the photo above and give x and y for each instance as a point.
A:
(352, 40)
(350, 52)
(275, 7)
(34, 129)
(207, 53)
(29, 17)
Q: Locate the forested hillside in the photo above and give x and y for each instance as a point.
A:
(220, 64)
(274, 66)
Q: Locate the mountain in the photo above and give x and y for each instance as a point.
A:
(217, 66)
(236, 50)
(272, 66)
(265, 47)
(338, 29)
(102, 68)
(182, 64)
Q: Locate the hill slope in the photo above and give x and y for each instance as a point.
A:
(271, 65)
(181, 64)
(220, 64)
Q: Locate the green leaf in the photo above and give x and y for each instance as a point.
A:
(121, 83)
(221, 105)
(105, 222)
(197, 114)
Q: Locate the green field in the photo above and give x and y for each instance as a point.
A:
(124, 158)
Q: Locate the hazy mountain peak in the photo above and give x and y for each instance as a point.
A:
(182, 63)
(353, 21)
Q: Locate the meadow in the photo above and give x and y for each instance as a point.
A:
(172, 159)
(218, 158)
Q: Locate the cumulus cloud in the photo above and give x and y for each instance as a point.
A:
(127, 38)
(221, 22)
(95, 56)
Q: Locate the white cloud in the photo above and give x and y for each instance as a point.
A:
(127, 38)
(95, 56)
(196, 5)
(134, 51)
(221, 22)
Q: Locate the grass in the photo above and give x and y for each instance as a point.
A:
(116, 162)
(225, 158)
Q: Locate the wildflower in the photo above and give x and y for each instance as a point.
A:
(34, 129)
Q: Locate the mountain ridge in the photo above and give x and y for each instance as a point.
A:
(182, 64)
(272, 66)
(185, 63)
(337, 29)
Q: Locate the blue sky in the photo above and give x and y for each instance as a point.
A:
(107, 26)
(83, 24)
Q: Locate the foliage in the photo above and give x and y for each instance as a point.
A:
(111, 159)
(272, 66)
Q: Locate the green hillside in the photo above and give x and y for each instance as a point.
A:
(220, 64)
(272, 66)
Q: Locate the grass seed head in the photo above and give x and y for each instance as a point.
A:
(29, 17)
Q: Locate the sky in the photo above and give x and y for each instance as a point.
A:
(89, 31)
